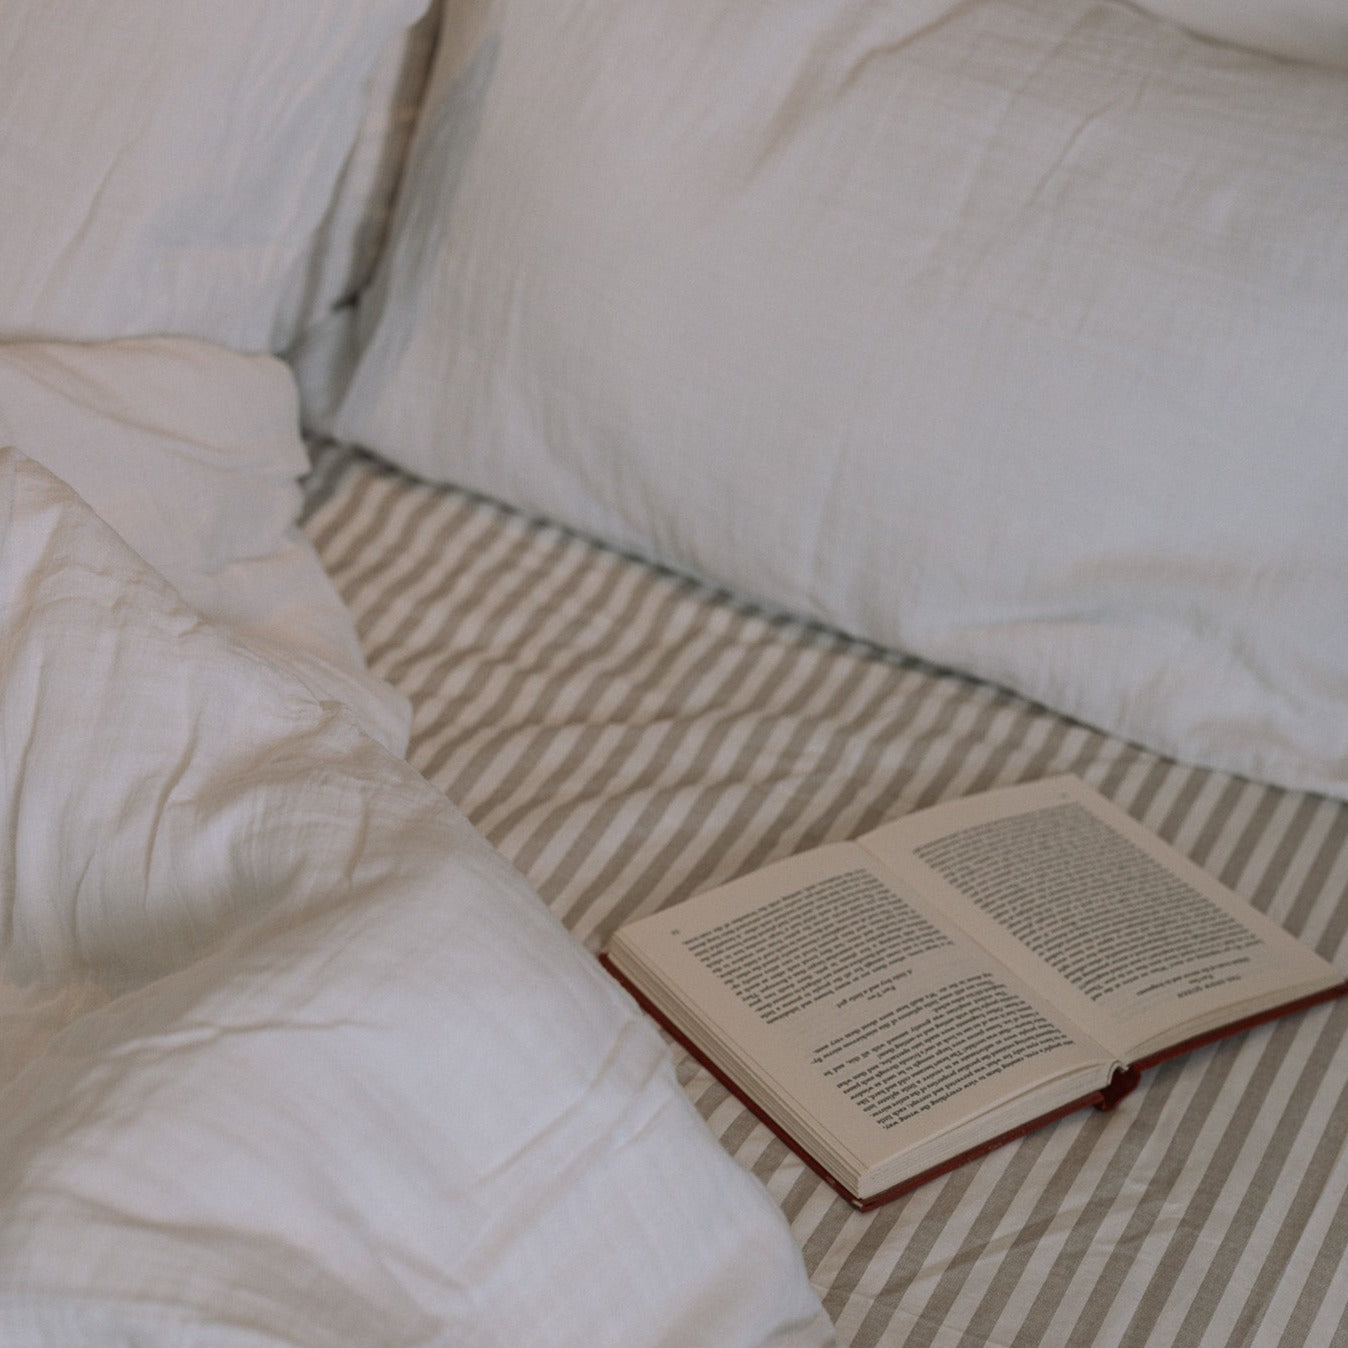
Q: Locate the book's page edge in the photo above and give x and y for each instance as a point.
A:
(1245, 1023)
(1099, 1099)
(717, 1028)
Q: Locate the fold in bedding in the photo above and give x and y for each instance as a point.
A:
(289, 1054)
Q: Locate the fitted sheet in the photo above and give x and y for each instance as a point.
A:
(627, 737)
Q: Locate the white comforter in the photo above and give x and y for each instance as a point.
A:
(287, 1053)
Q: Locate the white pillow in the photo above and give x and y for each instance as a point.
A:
(192, 454)
(1012, 335)
(1304, 30)
(339, 1078)
(166, 164)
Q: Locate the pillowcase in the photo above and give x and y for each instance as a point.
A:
(1304, 30)
(287, 1053)
(166, 164)
(192, 454)
(1009, 333)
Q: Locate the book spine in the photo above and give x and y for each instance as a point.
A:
(1123, 1081)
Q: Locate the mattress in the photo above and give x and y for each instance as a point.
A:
(627, 736)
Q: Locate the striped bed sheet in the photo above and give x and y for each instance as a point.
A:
(627, 737)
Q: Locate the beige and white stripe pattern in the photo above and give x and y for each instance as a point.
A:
(628, 737)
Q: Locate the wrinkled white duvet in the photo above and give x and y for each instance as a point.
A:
(287, 1053)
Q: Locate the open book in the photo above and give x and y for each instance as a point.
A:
(899, 1004)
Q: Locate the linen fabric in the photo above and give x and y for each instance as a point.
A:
(192, 453)
(287, 1053)
(1301, 30)
(166, 165)
(1008, 333)
(628, 738)
(352, 233)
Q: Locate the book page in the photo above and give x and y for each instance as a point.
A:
(869, 1020)
(1136, 942)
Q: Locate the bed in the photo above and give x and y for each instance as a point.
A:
(1209, 1210)
(726, 427)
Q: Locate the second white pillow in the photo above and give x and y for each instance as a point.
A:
(1010, 334)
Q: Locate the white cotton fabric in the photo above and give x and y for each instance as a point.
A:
(1009, 333)
(166, 166)
(1301, 30)
(352, 233)
(287, 1054)
(354, 230)
(192, 454)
